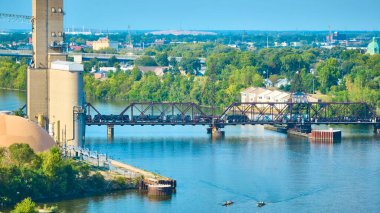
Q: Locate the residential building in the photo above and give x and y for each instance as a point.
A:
(251, 94)
(258, 94)
(281, 83)
(296, 44)
(268, 83)
(159, 71)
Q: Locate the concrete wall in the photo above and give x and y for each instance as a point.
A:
(55, 24)
(66, 94)
(37, 93)
(47, 28)
(40, 28)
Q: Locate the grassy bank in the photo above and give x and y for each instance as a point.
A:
(47, 176)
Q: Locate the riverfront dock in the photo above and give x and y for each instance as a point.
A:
(152, 183)
(328, 135)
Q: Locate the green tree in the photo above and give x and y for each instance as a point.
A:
(112, 61)
(25, 206)
(136, 73)
(21, 154)
(191, 65)
(145, 61)
(328, 74)
(162, 59)
(173, 62)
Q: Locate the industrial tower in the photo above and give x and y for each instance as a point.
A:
(55, 86)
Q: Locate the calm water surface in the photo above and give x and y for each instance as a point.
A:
(250, 164)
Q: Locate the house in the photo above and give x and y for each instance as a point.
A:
(268, 83)
(107, 69)
(281, 83)
(282, 97)
(251, 94)
(100, 75)
(75, 48)
(263, 97)
(296, 44)
(270, 97)
(159, 71)
(258, 94)
(300, 97)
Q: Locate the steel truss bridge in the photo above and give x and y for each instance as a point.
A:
(273, 113)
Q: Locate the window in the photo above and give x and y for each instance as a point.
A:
(53, 10)
(59, 10)
(53, 34)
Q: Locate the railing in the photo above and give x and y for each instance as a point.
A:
(96, 159)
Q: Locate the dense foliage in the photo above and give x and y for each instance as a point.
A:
(339, 74)
(12, 75)
(25, 206)
(24, 173)
(343, 75)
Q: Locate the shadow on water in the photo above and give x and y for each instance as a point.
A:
(86, 204)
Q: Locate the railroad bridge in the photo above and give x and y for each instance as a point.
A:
(296, 116)
(55, 96)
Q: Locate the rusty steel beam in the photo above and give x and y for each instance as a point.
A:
(188, 113)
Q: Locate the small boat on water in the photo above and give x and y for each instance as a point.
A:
(261, 204)
(228, 203)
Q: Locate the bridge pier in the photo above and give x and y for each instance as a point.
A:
(215, 131)
(376, 129)
(110, 132)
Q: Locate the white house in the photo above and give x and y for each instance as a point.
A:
(268, 83)
(281, 82)
(251, 94)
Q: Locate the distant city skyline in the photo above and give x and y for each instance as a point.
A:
(210, 14)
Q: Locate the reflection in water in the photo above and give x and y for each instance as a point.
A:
(156, 198)
(11, 100)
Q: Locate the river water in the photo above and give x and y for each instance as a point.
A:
(250, 164)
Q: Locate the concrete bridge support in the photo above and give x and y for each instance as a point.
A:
(110, 132)
(215, 131)
(376, 129)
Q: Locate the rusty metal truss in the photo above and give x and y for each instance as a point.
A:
(285, 113)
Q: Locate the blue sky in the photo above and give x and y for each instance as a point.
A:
(211, 14)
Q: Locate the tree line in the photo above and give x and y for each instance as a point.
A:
(335, 74)
(47, 175)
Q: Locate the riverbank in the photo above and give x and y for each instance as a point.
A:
(152, 183)
(49, 176)
(12, 89)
